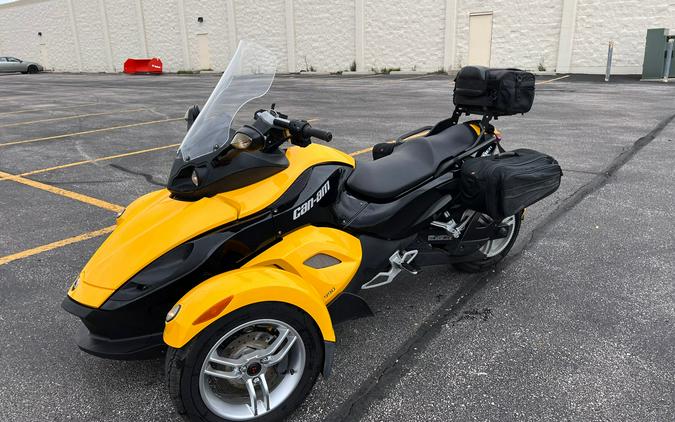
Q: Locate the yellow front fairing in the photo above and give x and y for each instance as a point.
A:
(155, 223)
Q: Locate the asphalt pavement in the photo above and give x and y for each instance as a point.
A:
(577, 324)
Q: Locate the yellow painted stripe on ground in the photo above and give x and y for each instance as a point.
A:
(362, 151)
(94, 160)
(55, 245)
(65, 242)
(552, 80)
(46, 108)
(87, 132)
(55, 119)
(365, 150)
(58, 191)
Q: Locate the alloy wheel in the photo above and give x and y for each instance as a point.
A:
(252, 369)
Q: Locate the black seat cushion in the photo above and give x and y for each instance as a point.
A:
(410, 164)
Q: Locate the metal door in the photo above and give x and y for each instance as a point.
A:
(203, 49)
(480, 38)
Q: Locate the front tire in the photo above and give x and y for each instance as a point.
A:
(234, 370)
(32, 69)
(495, 250)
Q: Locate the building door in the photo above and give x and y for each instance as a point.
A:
(203, 49)
(44, 57)
(480, 38)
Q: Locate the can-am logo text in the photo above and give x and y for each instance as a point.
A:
(309, 204)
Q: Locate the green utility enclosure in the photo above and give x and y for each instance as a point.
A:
(656, 54)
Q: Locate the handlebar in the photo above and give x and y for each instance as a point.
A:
(304, 129)
(324, 135)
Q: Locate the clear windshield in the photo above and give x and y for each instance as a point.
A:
(248, 76)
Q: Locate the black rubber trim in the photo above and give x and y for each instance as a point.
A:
(132, 348)
(124, 348)
(348, 306)
(328, 358)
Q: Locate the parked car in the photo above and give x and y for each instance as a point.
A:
(12, 64)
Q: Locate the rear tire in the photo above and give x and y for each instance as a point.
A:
(192, 391)
(489, 262)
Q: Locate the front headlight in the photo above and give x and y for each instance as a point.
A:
(172, 313)
(241, 141)
(75, 284)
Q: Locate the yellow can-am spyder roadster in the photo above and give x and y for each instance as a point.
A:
(243, 265)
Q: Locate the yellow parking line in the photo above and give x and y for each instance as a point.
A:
(46, 108)
(58, 191)
(85, 236)
(94, 160)
(361, 151)
(55, 245)
(87, 132)
(54, 119)
(548, 81)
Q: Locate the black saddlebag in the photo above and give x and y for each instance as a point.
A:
(504, 184)
(499, 92)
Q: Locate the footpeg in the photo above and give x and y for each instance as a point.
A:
(410, 267)
(399, 262)
(452, 228)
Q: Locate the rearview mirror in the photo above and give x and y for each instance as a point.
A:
(191, 115)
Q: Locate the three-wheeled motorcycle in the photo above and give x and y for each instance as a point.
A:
(242, 266)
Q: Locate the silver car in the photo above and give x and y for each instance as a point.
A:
(12, 64)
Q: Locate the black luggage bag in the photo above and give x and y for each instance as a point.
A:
(499, 92)
(504, 184)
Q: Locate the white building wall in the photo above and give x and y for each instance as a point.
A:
(19, 27)
(215, 26)
(524, 33)
(265, 23)
(407, 34)
(162, 33)
(625, 22)
(324, 34)
(124, 29)
(88, 20)
(328, 36)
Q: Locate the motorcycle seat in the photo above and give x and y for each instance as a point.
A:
(410, 164)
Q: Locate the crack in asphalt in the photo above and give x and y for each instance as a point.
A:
(147, 176)
(376, 386)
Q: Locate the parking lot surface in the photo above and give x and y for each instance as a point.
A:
(576, 324)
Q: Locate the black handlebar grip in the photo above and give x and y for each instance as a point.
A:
(282, 123)
(324, 135)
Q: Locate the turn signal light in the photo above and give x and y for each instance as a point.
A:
(213, 311)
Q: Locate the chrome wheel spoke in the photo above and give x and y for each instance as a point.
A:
(283, 334)
(265, 392)
(275, 358)
(214, 358)
(253, 406)
(228, 375)
(496, 246)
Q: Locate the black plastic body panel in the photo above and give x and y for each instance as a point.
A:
(400, 218)
(348, 306)
(228, 170)
(130, 347)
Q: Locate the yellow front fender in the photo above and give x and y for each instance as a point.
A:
(307, 268)
(245, 287)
